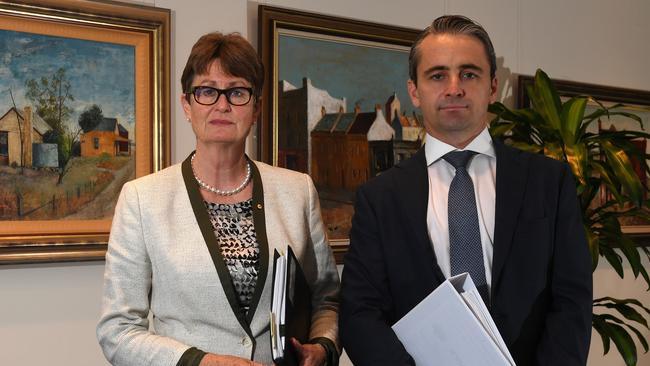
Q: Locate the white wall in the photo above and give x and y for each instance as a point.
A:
(48, 312)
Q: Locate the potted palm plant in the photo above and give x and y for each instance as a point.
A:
(608, 186)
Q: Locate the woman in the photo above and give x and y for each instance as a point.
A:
(192, 243)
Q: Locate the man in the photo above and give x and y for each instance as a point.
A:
(518, 230)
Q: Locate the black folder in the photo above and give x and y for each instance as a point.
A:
(295, 320)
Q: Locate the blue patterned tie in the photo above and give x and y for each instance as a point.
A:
(466, 251)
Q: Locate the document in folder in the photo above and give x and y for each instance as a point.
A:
(452, 326)
(290, 308)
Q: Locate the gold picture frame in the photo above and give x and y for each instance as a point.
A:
(145, 30)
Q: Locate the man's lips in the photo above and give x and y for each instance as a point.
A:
(453, 107)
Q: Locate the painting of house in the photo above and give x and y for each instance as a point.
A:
(21, 140)
(353, 73)
(299, 110)
(108, 137)
(349, 148)
(46, 90)
(409, 132)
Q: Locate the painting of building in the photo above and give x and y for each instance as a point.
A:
(108, 137)
(21, 140)
(299, 110)
(42, 175)
(409, 132)
(349, 148)
(352, 73)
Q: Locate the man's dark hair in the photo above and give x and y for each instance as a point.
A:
(455, 25)
(236, 55)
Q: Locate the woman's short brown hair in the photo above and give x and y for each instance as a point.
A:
(236, 55)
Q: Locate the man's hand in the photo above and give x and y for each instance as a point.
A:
(211, 359)
(309, 354)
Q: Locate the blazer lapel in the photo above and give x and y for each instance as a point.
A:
(259, 222)
(415, 198)
(201, 214)
(510, 187)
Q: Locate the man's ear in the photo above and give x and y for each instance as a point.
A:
(412, 88)
(493, 89)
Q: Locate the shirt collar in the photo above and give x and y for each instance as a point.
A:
(435, 149)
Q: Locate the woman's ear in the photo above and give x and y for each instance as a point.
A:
(257, 109)
(187, 108)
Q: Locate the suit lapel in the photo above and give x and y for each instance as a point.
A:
(414, 188)
(510, 188)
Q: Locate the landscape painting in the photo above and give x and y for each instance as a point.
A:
(344, 115)
(84, 108)
(67, 126)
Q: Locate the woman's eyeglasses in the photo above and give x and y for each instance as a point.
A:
(207, 95)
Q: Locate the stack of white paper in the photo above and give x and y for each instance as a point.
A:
(452, 326)
(278, 307)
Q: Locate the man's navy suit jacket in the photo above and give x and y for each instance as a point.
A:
(541, 293)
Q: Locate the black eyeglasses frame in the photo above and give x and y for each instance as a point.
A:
(220, 92)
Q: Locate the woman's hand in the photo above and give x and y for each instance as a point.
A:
(211, 359)
(309, 354)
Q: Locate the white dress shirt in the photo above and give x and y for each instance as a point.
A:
(482, 170)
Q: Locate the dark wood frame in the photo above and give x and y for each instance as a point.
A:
(572, 89)
(270, 20)
(601, 93)
(153, 23)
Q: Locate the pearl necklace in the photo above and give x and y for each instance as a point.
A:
(231, 192)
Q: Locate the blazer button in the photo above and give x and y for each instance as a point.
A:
(259, 206)
(246, 341)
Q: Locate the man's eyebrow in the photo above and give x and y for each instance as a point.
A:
(436, 68)
(471, 66)
(467, 66)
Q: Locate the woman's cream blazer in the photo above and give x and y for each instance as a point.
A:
(163, 258)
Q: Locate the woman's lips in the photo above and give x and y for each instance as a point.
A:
(221, 122)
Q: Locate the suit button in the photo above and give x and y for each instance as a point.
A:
(246, 341)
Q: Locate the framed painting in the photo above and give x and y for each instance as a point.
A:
(84, 108)
(635, 101)
(335, 104)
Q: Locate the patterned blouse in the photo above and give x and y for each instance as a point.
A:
(235, 232)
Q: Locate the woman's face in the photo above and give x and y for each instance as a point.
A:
(220, 122)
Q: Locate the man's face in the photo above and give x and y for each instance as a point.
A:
(454, 87)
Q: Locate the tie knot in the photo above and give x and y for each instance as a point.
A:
(459, 159)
